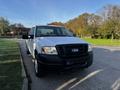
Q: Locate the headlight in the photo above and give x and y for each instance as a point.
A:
(49, 50)
(89, 48)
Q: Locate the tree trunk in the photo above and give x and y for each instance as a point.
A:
(112, 37)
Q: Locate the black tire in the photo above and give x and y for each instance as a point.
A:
(28, 52)
(89, 63)
(39, 68)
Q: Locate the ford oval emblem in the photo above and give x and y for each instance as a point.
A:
(75, 50)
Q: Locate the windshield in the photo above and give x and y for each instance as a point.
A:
(49, 31)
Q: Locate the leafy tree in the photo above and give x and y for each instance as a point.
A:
(110, 28)
(94, 22)
(4, 26)
(78, 24)
(85, 25)
(57, 23)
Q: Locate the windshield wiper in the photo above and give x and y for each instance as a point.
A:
(53, 35)
(65, 35)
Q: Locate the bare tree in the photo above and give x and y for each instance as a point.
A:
(111, 18)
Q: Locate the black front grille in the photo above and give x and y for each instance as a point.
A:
(72, 50)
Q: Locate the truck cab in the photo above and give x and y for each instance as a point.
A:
(55, 47)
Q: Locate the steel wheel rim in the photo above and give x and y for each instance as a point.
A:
(36, 66)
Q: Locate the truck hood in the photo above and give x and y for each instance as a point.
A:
(53, 41)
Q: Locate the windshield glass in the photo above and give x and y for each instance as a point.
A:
(43, 31)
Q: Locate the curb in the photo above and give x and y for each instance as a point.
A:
(26, 77)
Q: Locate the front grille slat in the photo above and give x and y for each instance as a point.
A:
(72, 50)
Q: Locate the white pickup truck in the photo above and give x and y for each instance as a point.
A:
(55, 47)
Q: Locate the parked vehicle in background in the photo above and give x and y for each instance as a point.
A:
(55, 47)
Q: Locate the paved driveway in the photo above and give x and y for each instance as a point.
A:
(104, 74)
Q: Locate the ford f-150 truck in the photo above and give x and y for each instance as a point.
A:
(55, 47)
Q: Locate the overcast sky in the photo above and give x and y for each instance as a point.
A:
(40, 12)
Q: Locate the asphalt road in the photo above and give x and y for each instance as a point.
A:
(104, 74)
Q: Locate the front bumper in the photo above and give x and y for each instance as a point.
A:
(55, 61)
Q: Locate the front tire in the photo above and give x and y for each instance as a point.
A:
(89, 62)
(39, 69)
(28, 52)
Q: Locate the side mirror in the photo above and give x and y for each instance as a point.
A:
(30, 36)
(24, 36)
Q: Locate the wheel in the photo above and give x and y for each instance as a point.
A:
(39, 69)
(89, 63)
(28, 52)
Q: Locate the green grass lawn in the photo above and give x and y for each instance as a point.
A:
(103, 42)
(10, 65)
